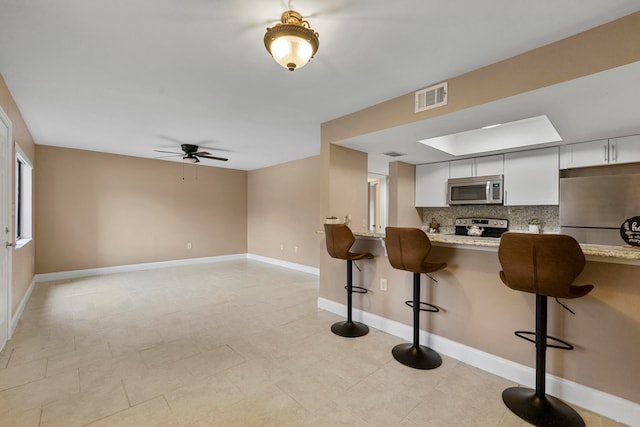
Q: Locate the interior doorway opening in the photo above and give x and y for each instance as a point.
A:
(377, 203)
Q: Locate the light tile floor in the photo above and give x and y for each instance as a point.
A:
(233, 343)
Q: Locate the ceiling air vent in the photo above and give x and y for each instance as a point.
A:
(431, 97)
(394, 154)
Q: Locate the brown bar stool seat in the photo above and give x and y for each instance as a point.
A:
(407, 249)
(339, 240)
(545, 265)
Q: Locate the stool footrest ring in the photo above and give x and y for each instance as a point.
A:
(432, 308)
(358, 290)
(525, 335)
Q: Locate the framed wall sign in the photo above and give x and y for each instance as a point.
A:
(630, 231)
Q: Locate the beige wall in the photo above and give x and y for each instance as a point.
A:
(478, 310)
(98, 210)
(283, 212)
(23, 268)
(349, 187)
(402, 190)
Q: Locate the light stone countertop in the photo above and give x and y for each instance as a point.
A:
(600, 253)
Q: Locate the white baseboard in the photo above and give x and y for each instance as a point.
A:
(20, 310)
(286, 264)
(46, 277)
(72, 274)
(616, 408)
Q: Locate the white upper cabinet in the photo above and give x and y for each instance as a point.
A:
(625, 149)
(532, 177)
(490, 165)
(590, 153)
(461, 168)
(477, 166)
(601, 152)
(431, 184)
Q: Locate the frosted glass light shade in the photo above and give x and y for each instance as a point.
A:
(292, 43)
(291, 52)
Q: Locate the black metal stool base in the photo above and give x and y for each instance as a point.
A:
(349, 329)
(546, 411)
(420, 357)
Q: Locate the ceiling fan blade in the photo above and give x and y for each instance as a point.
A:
(170, 152)
(168, 138)
(202, 153)
(165, 157)
(322, 12)
(222, 159)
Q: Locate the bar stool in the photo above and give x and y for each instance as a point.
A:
(339, 240)
(545, 265)
(407, 249)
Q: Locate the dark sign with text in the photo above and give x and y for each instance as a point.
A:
(630, 231)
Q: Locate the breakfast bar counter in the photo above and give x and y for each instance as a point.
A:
(599, 253)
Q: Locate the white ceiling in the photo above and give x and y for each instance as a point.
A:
(131, 76)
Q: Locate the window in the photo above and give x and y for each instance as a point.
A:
(23, 199)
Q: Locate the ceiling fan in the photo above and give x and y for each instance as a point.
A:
(191, 154)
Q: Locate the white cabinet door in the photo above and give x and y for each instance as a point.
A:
(625, 149)
(532, 177)
(477, 166)
(592, 153)
(463, 168)
(431, 184)
(490, 165)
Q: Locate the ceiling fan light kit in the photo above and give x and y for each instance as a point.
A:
(190, 159)
(292, 42)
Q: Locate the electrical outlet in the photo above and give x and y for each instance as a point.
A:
(383, 284)
(281, 247)
(295, 249)
(188, 245)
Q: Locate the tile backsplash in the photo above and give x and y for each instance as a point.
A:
(518, 216)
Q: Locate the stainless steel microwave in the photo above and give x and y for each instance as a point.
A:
(477, 190)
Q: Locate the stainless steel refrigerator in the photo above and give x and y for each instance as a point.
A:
(593, 208)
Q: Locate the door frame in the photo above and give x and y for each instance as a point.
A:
(6, 205)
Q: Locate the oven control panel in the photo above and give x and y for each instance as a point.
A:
(483, 222)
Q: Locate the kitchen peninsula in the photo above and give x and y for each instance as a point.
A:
(479, 314)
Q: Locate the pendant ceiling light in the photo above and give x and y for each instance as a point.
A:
(293, 42)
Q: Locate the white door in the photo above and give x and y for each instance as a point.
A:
(5, 224)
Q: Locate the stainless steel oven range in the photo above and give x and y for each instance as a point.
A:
(481, 227)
